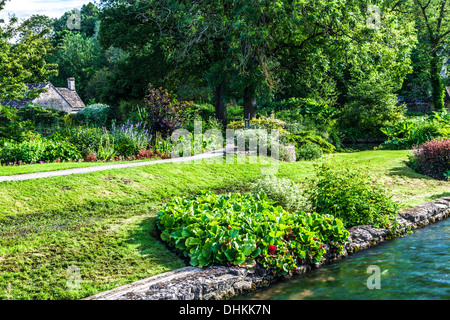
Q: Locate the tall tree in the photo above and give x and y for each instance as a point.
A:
(433, 26)
(23, 60)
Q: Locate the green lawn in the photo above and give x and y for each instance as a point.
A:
(104, 222)
(54, 166)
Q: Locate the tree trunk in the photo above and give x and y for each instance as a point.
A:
(221, 106)
(437, 86)
(250, 106)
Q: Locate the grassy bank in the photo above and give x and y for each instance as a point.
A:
(54, 166)
(104, 222)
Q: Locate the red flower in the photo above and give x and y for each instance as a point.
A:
(315, 239)
(320, 247)
(272, 250)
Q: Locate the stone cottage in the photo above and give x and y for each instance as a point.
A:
(65, 99)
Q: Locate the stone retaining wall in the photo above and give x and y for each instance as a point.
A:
(219, 283)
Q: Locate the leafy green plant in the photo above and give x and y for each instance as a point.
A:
(245, 229)
(38, 150)
(282, 191)
(130, 137)
(309, 151)
(94, 114)
(351, 195)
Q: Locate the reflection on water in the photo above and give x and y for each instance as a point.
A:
(413, 267)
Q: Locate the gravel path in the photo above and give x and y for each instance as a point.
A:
(39, 175)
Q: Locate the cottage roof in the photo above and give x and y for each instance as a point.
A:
(70, 96)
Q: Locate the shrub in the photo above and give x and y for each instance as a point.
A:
(38, 150)
(245, 229)
(414, 132)
(130, 137)
(309, 151)
(262, 122)
(283, 192)
(84, 139)
(40, 116)
(307, 138)
(352, 196)
(432, 158)
(164, 115)
(371, 105)
(94, 114)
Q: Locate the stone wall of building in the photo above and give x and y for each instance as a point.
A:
(52, 100)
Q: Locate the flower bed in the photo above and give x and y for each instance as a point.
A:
(245, 230)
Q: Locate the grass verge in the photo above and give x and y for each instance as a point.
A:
(104, 222)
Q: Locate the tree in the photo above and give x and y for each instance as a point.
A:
(248, 49)
(23, 61)
(78, 56)
(433, 26)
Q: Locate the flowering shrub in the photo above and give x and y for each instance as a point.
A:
(432, 158)
(245, 229)
(130, 137)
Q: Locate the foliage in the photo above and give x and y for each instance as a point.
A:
(301, 139)
(414, 132)
(12, 128)
(164, 114)
(94, 114)
(38, 150)
(351, 195)
(371, 105)
(432, 158)
(23, 59)
(78, 57)
(261, 122)
(84, 139)
(130, 137)
(282, 191)
(243, 229)
(309, 151)
(40, 116)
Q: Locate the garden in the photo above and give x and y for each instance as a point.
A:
(268, 86)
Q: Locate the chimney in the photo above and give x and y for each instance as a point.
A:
(71, 84)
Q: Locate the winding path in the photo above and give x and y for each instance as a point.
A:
(66, 172)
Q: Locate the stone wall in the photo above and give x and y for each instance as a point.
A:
(219, 283)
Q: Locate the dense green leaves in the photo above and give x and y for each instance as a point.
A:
(244, 229)
(352, 196)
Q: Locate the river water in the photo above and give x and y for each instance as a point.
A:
(412, 267)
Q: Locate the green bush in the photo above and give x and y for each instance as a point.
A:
(282, 191)
(415, 131)
(38, 150)
(130, 137)
(94, 114)
(245, 229)
(83, 138)
(40, 116)
(309, 151)
(371, 105)
(302, 142)
(352, 196)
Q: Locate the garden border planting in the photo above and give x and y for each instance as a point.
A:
(220, 282)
